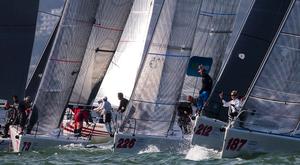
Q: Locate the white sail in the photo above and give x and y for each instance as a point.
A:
(274, 99)
(158, 87)
(64, 62)
(121, 74)
(110, 21)
(215, 26)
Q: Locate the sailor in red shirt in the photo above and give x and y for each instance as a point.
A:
(80, 115)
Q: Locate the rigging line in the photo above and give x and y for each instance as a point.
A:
(287, 134)
(163, 121)
(275, 100)
(149, 102)
(107, 27)
(169, 55)
(264, 114)
(49, 13)
(216, 14)
(287, 47)
(290, 34)
(65, 61)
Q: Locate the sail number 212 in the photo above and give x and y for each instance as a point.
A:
(203, 130)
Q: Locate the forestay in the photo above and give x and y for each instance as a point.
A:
(215, 25)
(64, 62)
(158, 87)
(110, 21)
(17, 29)
(276, 93)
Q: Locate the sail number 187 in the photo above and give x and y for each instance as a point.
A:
(235, 144)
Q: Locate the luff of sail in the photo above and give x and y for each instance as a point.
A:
(157, 90)
(64, 62)
(17, 29)
(122, 71)
(247, 54)
(274, 98)
(215, 25)
(34, 81)
(43, 43)
(110, 21)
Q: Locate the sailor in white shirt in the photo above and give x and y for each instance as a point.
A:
(105, 110)
(235, 104)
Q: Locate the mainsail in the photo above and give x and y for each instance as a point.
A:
(248, 52)
(275, 96)
(64, 62)
(110, 21)
(17, 29)
(158, 87)
(47, 26)
(215, 24)
(122, 71)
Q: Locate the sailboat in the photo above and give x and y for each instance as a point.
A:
(151, 113)
(17, 30)
(58, 78)
(272, 99)
(216, 21)
(103, 45)
(248, 53)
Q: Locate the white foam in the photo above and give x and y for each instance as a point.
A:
(149, 149)
(197, 153)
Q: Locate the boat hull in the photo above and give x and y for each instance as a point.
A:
(207, 133)
(98, 132)
(242, 143)
(128, 143)
(30, 142)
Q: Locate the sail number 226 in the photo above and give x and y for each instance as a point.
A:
(126, 143)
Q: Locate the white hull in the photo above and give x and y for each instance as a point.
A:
(28, 142)
(127, 143)
(98, 133)
(207, 133)
(240, 142)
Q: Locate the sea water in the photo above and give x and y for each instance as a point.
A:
(103, 154)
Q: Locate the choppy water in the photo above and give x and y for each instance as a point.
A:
(104, 155)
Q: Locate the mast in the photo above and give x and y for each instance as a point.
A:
(17, 29)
